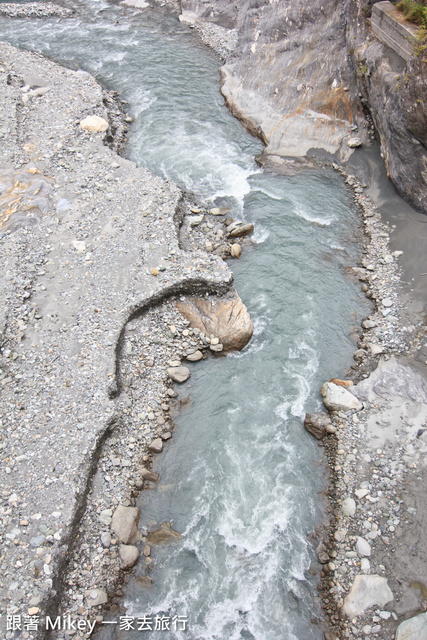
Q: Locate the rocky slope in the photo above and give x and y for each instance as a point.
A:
(307, 76)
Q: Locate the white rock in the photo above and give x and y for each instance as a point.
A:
(95, 124)
(361, 493)
(366, 592)
(96, 597)
(129, 555)
(363, 547)
(138, 4)
(337, 398)
(106, 539)
(376, 349)
(348, 507)
(79, 245)
(354, 142)
(125, 523)
(179, 374)
(365, 565)
(387, 302)
(413, 629)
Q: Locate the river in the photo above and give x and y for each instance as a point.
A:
(242, 475)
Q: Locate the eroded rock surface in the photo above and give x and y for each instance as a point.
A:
(227, 320)
(366, 592)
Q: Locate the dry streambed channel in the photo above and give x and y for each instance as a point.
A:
(147, 479)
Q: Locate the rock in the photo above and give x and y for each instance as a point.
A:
(316, 423)
(238, 229)
(125, 523)
(138, 4)
(195, 356)
(413, 629)
(322, 553)
(144, 581)
(188, 17)
(368, 324)
(366, 592)
(106, 539)
(179, 374)
(365, 565)
(216, 348)
(194, 221)
(342, 383)
(95, 124)
(387, 302)
(235, 250)
(227, 319)
(361, 493)
(163, 535)
(32, 611)
(376, 349)
(96, 597)
(79, 245)
(220, 211)
(337, 398)
(363, 547)
(354, 142)
(129, 555)
(348, 507)
(156, 446)
(146, 474)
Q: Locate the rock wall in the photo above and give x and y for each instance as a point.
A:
(305, 76)
(395, 92)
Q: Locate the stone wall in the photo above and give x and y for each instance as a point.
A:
(392, 29)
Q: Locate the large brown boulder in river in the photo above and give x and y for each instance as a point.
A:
(227, 320)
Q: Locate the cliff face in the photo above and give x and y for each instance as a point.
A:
(297, 73)
(395, 93)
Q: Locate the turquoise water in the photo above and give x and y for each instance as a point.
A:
(242, 475)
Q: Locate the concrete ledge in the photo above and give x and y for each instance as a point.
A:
(389, 26)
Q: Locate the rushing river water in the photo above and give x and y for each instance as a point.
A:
(240, 478)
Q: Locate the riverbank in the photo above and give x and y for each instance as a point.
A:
(89, 241)
(374, 557)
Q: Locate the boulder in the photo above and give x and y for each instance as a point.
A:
(366, 592)
(195, 356)
(163, 535)
(228, 320)
(316, 424)
(144, 581)
(138, 4)
(413, 629)
(129, 555)
(125, 523)
(146, 474)
(238, 229)
(220, 211)
(337, 398)
(363, 547)
(235, 250)
(96, 597)
(348, 507)
(156, 446)
(354, 142)
(106, 539)
(95, 124)
(179, 374)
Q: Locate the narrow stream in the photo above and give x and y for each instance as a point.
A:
(240, 480)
